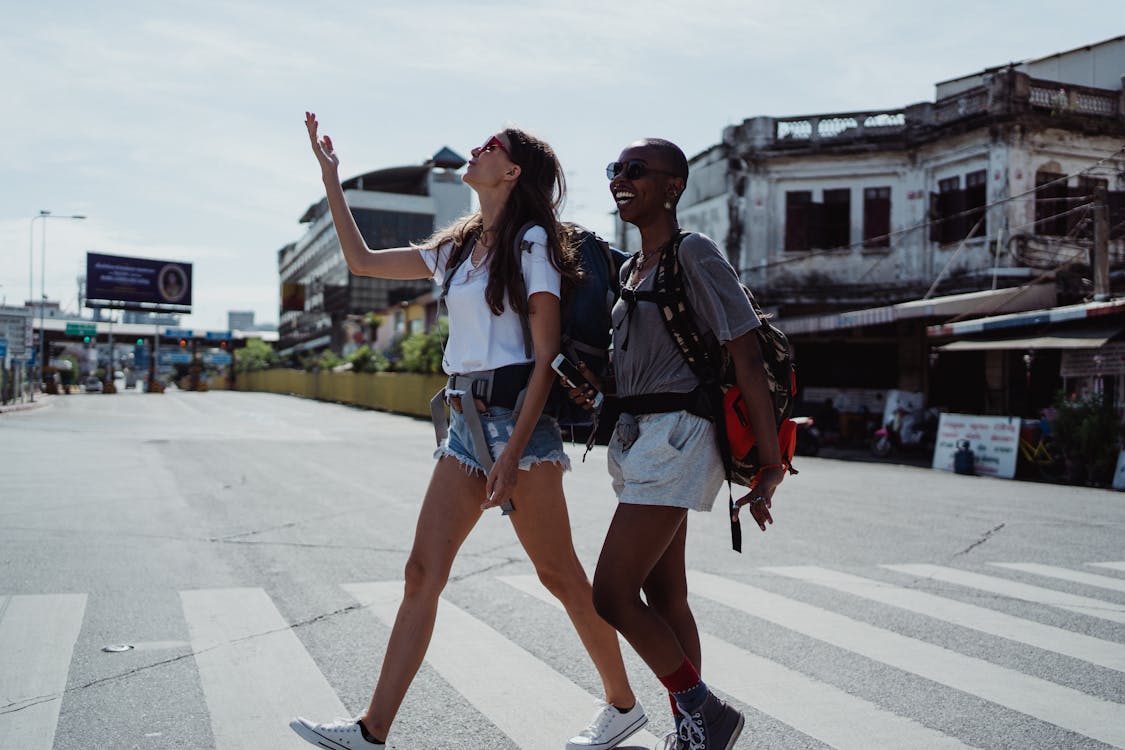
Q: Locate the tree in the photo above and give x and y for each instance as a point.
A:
(422, 352)
(256, 355)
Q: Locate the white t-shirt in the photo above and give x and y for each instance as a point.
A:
(479, 340)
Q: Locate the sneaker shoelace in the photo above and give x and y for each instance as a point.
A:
(691, 732)
(600, 721)
(341, 725)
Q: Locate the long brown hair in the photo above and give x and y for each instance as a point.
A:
(536, 198)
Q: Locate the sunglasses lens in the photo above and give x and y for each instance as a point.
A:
(635, 170)
(612, 169)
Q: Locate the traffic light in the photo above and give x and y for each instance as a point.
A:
(183, 342)
(223, 345)
(140, 342)
(85, 339)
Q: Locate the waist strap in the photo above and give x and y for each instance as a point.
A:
(694, 402)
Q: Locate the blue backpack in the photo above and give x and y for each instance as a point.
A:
(586, 323)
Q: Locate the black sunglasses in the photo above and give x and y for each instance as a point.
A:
(634, 169)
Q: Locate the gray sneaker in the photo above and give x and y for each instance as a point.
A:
(713, 726)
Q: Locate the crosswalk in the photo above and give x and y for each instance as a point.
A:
(255, 672)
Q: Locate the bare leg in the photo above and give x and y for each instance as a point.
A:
(638, 539)
(666, 593)
(543, 527)
(449, 512)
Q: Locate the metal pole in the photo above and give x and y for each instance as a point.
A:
(42, 301)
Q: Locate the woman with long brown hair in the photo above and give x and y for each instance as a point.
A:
(501, 450)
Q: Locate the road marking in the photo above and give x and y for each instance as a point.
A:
(256, 674)
(1110, 565)
(523, 697)
(1076, 576)
(1082, 605)
(815, 708)
(1065, 707)
(37, 637)
(1047, 637)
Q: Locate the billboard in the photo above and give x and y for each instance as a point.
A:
(137, 283)
(292, 296)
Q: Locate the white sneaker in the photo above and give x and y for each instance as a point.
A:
(342, 734)
(609, 728)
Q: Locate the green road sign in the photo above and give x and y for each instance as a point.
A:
(81, 329)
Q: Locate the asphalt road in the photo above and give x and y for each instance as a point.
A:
(250, 547)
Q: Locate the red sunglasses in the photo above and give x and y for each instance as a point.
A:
(490, 145)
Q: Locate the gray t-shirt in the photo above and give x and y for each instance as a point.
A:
(645, 357)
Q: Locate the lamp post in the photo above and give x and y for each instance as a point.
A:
(44, 215)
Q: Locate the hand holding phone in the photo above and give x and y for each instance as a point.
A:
(574, 376)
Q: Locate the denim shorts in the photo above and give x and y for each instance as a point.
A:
(545, 444)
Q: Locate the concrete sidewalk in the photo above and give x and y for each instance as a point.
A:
(41, 400)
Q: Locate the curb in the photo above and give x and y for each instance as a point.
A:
(25, 407)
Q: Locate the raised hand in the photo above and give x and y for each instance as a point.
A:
(322, 148)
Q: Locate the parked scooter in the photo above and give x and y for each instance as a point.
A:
(913, 432)
(808, 436)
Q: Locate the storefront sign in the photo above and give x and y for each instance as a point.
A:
(993, 440)
(1086, 363)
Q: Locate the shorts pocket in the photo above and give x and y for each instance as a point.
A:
(683, 429)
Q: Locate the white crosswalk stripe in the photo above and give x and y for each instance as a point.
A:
(1076, 645)
(1065, 574)
(37, 637)
(816, 708)
(1082, 605)
(255, 672)
(1065, 707)
(500, 685)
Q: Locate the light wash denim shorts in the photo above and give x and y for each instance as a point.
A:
(545, 444)
(674, 461)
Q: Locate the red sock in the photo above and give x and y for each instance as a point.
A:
(683, 679)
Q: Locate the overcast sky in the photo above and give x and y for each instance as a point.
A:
(177, 127)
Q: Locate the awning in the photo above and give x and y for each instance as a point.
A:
(1085, 337)
(988, 302)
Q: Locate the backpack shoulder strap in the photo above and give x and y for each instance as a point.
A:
(523, 245)
(459, 256)
(669, 292)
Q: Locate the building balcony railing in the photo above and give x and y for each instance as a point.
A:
(1001, 94)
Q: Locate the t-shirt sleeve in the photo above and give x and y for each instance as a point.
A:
(713, 289)
(436, 260)
(538, 273)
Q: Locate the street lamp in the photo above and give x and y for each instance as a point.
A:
(44, 215)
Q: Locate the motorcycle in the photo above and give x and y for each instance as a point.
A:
(808, 436)
(907, 432)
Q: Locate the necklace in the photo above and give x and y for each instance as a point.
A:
(644, 255)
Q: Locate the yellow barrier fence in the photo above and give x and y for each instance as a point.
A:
(399, 392)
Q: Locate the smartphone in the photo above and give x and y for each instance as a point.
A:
(570, 371)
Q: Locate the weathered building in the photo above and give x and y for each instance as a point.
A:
(392, 207)
(859, 229)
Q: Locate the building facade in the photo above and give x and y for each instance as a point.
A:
(321, 301)
(860, 229)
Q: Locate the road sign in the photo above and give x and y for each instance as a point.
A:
(174, 357)
(81, 329)
(178, 333)
(15, 326)
(217, 358)
(3, 347)
(219, 335)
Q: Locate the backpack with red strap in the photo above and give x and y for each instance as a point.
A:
(712, 364)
